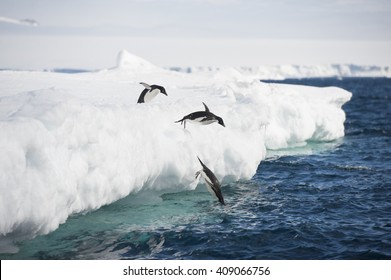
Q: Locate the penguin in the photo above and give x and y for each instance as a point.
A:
(212, 184)
(202, 117)
(150, 92)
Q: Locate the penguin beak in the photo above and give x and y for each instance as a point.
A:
(220, 121)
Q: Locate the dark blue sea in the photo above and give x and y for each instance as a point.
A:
(322, 201)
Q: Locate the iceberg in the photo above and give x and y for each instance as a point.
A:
(288, 71)
(27, 21)
(71, 143)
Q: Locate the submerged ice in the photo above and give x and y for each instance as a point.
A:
(73, 143)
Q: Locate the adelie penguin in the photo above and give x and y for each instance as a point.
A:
(150, 92)
(201, 117)
(212, 184)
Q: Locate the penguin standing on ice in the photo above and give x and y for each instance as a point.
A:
(150, 92)
(212, 184)
(202, 117)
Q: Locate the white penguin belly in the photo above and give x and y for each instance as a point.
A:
(208, 122)
(150, 95)
(199, 121)
(208, 184)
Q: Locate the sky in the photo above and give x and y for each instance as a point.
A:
(89, 33)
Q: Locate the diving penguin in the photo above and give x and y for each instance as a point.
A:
(150, 92)
(212, 184)
(202, 117)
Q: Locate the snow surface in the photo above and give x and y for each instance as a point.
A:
(288, 71)
(72, 143)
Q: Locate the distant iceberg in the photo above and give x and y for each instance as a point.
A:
(73, 143)
(281, 72)
(27, 21)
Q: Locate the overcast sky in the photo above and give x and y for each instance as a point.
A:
(331, 20)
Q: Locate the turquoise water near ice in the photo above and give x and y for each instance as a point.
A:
(322, 201)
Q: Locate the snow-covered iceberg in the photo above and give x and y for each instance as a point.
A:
(71, 143)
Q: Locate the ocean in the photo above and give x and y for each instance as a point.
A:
(321, 201)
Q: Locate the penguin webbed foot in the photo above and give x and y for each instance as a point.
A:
(183, 122)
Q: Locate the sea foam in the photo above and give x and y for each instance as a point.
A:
(71, 143)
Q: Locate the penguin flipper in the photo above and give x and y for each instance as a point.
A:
(208, 118)
(146, 85)
(142, 96)
(206, 107)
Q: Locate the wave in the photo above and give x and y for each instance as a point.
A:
(73, 143)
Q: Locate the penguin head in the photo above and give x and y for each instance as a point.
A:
(220, 121)
(221, 200)
(163, 90)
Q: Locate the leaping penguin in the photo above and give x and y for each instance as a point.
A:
(150, 92)
(201, 117)
(212, 184)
